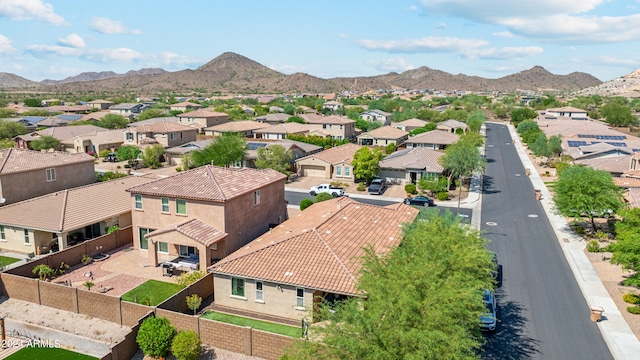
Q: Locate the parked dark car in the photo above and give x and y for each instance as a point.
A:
(111, 157)
(420, 200)
(377, 186)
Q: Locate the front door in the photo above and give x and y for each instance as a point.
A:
(413, 176)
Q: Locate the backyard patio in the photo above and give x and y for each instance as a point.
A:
(123, 270)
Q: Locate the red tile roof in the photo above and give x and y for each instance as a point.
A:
(210, 183)
(336, 155)
(162, 127)
(194, 229)
(321, 248)
(15, 160)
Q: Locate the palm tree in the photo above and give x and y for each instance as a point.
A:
(43, 271)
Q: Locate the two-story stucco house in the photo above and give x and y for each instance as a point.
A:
(25, 174)
(379, 116)
(207, 212)
(338, 127)
(167, 134)
(203, 118)
(127, 110)
(309, 258)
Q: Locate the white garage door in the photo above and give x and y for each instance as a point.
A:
(313, 170)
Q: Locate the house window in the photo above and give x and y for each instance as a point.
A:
(237, 287)
(51, 174)
(299, 298)
(338, 170)
(144, 243)
(162, 247)
(3, 237)
(324, 126)
(172, 136)
(237, 164)
(129, 136)
(256, 197)
(259, 293)
(181, 207)
(165, 204)
(138, 201)
(187, 251)
(347, 171)
(341, 127)
(26, 237)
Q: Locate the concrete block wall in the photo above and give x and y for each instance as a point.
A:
(20, 288)
(225, 336)
(177, 302)
(58, 296)
(128, 347)
(26, 270)
(202, 287)
(102, 306)
(181, 322)
(71, 256)
(124, 236)
(132, 312)
(268, 345)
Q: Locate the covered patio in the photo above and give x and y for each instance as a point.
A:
(197, 244)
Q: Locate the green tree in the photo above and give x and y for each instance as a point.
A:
(527, 125)
(128, 153)
(289, 109)
(366, 163)
(540, 146)
(186, 279)
(274, 157)
(296, 119)
(155, 336)
(521, 114)
(6, 143)
(113, 121)
(151, 156)
(193, 302)
(428, 127)
(461, 160)
(110, 175)
(45, 142)
(618, 115)
(186, 345)
(39, 112)
(433, 184)
(7, 112)
(423, 299)
(390, 148)
(150, 114)
(626, 249)
(305, 203)
(471, 138)
(323, 197)
(32, 102)
(224, 150)
(9, 129)
(582, 192)
(554, 145)
(43, 271)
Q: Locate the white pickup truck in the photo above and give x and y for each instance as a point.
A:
(326, 188)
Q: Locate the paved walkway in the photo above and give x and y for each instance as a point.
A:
(621, 341)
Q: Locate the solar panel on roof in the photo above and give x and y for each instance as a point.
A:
(635, 150)
(255, 146)
(574, 143)
(617, 144)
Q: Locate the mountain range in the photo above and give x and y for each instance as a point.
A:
(233, 73)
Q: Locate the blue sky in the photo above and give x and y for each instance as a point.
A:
(47, 39)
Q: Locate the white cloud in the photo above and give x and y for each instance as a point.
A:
(505, 34)
(5, 45)
(392, 64)
(344, 36)
(72, 40)
(46, 50)
(107, 26)
(173, 60)
(108, 55)
(441, 26)
(504, 53)
(29, 10)
(567, 21)
(287, 69)
(430, 44)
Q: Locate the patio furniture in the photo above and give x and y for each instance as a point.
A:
(189, 263)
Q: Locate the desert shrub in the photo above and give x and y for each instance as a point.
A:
(443, 195)
(410, 188)
(579, 230)
(631, 298)
(602, 235)
(305, 203)
(323, 197)
(86, 259)
(361, 187)
(561, 166)
(634, 309)
(178, 168)
(104, 153)
(189, 278)
(186, 345)
(593, 246)
(155, 335)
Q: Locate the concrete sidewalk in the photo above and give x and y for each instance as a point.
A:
(621, 341)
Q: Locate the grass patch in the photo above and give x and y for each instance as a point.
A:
(45, 353)
(286, 330)
(6, 260)
(152, 292)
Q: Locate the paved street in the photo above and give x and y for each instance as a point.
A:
(542, 313)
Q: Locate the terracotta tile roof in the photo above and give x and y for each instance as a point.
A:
(125, 106)
(566, 109)
(186, 104)
(99, 102)
(97, 115)
(280, 117)
(322, 246)
(104, 137)
(336, 155)
(415, 158)
(74, 208)
(617, 164)
(235, 126)
(632, 173)
(452, 123)
(387, 132)
(162, 127)
(633, 197)
(411, 123)
(188, 147)
(201, 113)
(627, 182)
(210, 183)
(434, 137)
(15, 160)
(60, 132)
(286, 128)
(320, 119)
(193, 229)
(54, 121)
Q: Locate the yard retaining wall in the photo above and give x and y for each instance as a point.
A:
(58, 296)
(177, 303)
(102, 306)
(203, 287)
(182, 322)
(268, 345)
(225, 336)
(132, 312)
(21, 288)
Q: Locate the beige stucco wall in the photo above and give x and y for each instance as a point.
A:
(29, 184)
(14, 240)
(335, 131)
(205, 121)
(343, 177)
(278, 301)
(313, 161)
